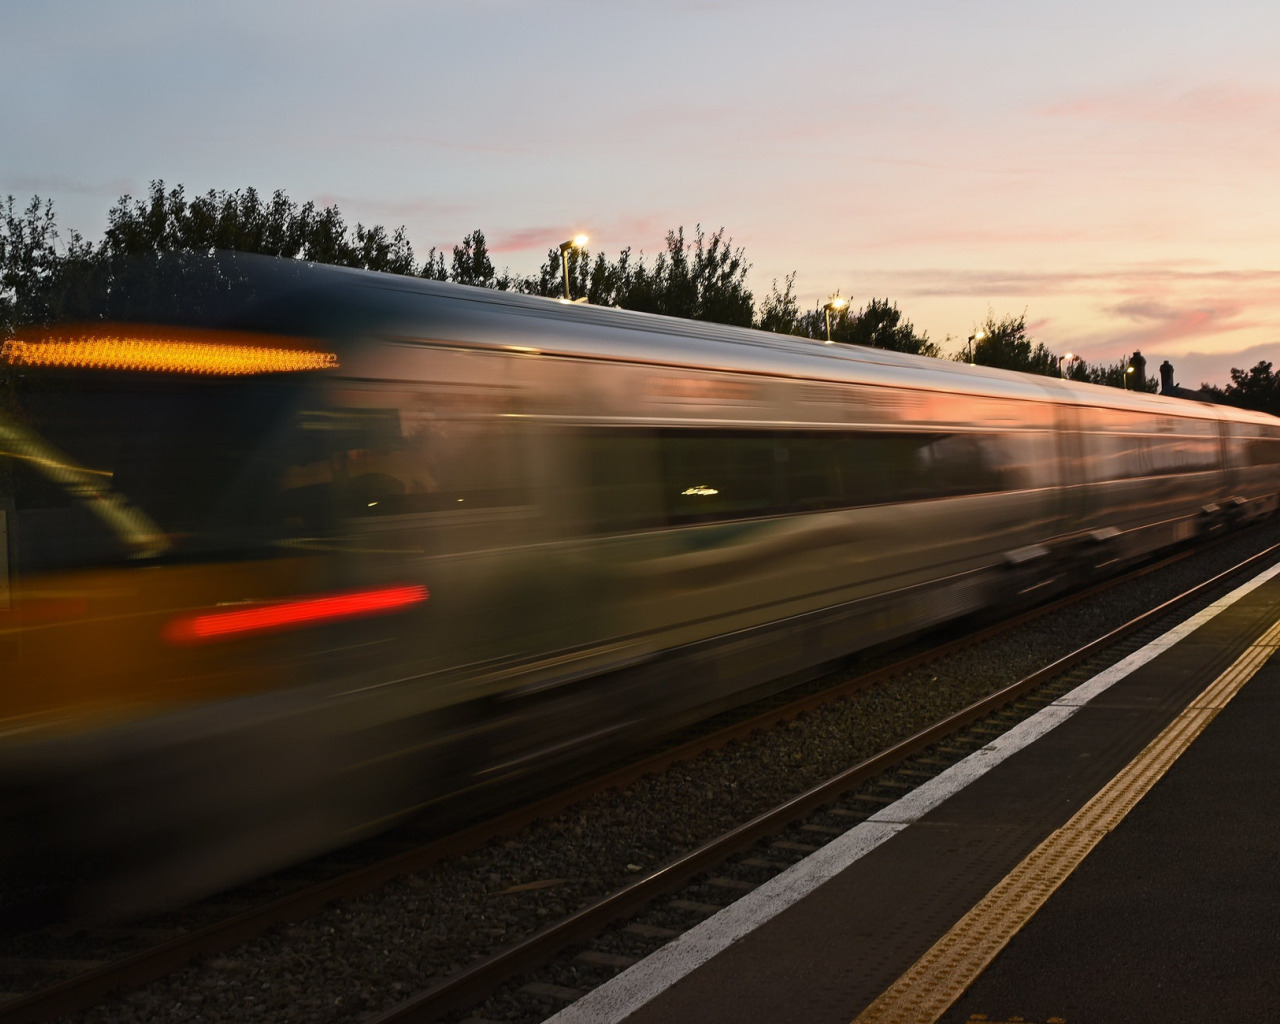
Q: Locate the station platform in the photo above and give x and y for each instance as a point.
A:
(1116, 857)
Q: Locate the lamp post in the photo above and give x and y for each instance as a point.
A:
(1064, 362)
(1127, 371)
(975, 337)
(834, 304)
(576, 242)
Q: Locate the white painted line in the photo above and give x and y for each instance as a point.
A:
(622, 996)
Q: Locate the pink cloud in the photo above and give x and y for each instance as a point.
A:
(1164, 323)
(1141, 280)
(969, 238)
(1206, 104)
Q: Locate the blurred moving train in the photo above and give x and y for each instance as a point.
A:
(275, 575)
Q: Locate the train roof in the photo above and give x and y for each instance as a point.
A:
(347, 304)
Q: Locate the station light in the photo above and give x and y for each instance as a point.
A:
(973, 339)
(576, 242)
(834, 304)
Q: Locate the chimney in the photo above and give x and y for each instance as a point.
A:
(1139, 371)
(1167, 386)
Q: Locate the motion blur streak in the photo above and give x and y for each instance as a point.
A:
(628, 522)
(163, 355)
(311, 611)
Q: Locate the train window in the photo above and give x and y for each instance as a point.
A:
(716, 476)
(1263, 451)
(621, 480)
(1129, 456)
(677, 476)
(379, 461)
(104, 467)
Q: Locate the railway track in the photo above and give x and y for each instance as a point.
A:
(735, 862)
(708, 878)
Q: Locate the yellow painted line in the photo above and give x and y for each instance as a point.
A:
(925, 992)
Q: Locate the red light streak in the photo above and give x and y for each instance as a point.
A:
(276, 616)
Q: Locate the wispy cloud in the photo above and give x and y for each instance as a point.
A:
(1142, 278)
(1210, 104)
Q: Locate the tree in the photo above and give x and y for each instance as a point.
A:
(879, 324)
(702, 280)
(471, 263)
(29, 262)
(141, 266)
(1115, 375)
(1006, 345)
(242, 221)
(780, 312)
(1257, 388)
(705, 280)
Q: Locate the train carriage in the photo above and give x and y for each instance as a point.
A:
(426, 539)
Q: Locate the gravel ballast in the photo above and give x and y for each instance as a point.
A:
(368, 954)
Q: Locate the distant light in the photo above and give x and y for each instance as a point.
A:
(203, 352)
(372, 503)
(580, 240)
(701, 491)
(296, 614)
(834, 304)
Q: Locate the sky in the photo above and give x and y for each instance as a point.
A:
(1108, 169)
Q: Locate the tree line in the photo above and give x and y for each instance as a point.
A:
(45, 278)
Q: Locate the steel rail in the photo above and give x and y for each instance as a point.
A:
(475, 982)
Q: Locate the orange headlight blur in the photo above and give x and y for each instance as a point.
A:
(164, 350)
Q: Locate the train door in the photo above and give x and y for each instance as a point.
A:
(1074, 505)
(1231, 457)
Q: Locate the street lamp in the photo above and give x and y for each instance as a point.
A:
(1064, 362)
(976, 336)
(1128, 370)
(834, 304)
(576, 242)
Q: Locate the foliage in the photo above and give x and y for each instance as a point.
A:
(700, 278)
(245, 222)
(1114, 375)
(1006, 345)
(879, 324)
(780, 312)
(30, 262)
(471, 265)
(1257, 388)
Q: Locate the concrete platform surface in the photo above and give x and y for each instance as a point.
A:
(1173, 916)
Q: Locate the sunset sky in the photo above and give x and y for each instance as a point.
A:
(1109, 168)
